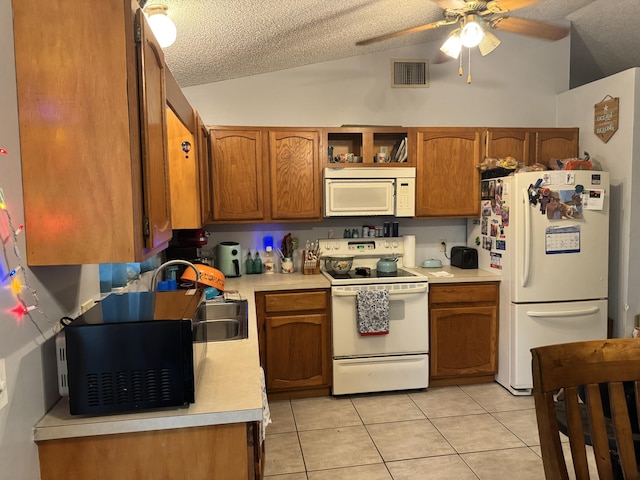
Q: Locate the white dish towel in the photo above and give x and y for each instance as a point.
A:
(373, 312)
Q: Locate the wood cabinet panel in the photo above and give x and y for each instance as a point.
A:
(447, 174)
(296, 351)
(296, 189)
(295, 301)
(91, 140)
(479, 292)
(197, 453)
(554, 143)
(508, 142)
(294, 334)
(155, 170)
(464, 341)
(463, 333)
(204, 163)
(184, 174)
(237, 160)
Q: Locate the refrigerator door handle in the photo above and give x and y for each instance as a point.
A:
(527, 237)
(564, 313)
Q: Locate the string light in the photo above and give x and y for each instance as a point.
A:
(18, 281)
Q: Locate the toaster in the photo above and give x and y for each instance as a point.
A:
(464, 257)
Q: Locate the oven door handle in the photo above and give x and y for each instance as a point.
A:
(353, 293)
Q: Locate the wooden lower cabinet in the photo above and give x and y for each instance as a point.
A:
(463, 333)
(295, 342)
(231, 451)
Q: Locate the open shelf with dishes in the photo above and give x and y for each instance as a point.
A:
(360, 146)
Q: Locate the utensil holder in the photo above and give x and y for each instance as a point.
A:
(310, 267)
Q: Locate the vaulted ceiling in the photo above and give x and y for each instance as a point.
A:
(223, 39)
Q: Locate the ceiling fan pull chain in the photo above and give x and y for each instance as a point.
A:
(460, 69)
(469, 72)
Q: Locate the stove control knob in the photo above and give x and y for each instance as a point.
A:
(386, 244)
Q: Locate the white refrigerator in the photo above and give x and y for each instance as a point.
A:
(547, 233)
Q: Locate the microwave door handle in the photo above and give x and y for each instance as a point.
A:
(353, 293)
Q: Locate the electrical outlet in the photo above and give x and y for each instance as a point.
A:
(4, 395)
(443, 246)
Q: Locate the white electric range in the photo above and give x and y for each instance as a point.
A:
(398, 360)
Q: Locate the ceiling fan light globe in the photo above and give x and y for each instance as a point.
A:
(452, 46)
(162, 27)
(488, 43)
(471, 34)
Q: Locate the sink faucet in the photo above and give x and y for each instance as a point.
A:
(154, 279)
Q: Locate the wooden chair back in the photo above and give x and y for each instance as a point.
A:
(584, 367)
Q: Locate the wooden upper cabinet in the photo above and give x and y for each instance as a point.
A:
(92, 132)
(508, 142)
(238, 177)
(447, 174)
(554, 143)
(184, 173)
(204, 162)
(155, 171)
(294, 172)
(367, 142)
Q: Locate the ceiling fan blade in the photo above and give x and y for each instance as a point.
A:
(507, 5)
(531, 28)
(406, 31)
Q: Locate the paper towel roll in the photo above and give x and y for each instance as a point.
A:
(409, 251)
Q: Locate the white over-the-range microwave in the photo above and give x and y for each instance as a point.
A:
(366, 191)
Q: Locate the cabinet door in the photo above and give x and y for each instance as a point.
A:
(463, 341)
(294, 173)
(297, 351)
(508, 142)
(183, 173)
(204, 164)
(447, 174)
(555, 143)
(155, 171)
(237, 160)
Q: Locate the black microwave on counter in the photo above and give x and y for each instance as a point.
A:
(132, 351)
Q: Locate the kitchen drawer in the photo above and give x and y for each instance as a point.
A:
(459, 293)
(297, 301)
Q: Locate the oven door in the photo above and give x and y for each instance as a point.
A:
(408, 322)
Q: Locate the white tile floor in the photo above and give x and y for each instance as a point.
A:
(467, 432)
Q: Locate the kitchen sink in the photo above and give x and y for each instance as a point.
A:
(224, 321)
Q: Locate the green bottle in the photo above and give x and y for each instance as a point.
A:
(248, 264)
(257, 264)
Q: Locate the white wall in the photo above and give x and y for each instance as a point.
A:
(29, 354)
(513, 86)
(617, 156)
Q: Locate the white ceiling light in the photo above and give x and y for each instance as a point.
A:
(472, 32)
(162, 26)
(453, 45)
(488, 43)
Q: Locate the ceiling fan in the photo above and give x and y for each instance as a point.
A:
(474, 19)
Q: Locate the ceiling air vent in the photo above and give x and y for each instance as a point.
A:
(409, 73)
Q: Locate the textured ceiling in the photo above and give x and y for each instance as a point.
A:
(224, 39)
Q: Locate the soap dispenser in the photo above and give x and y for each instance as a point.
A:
(257, 263)
(248, 264)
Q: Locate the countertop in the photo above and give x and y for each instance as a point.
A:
(230, 386)
(449, 274)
